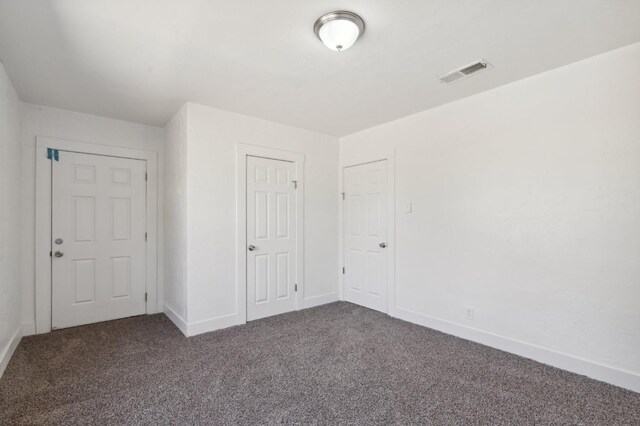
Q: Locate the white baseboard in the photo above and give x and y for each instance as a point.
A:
(224, 321)
(199, 327)
(28, 329)
(323, 299)
(618, 377)
(212, 324)
(7, 352)
(176, 319)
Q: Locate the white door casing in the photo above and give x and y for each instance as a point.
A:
(271, 238)
(98, 226)
(366, 232)
(43, 231)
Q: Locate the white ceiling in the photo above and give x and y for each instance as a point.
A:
(140, 60)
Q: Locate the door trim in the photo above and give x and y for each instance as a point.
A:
(43, 260)
(242, 152)
(372, 157)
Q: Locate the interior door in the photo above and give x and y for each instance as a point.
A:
(271, 237)
(365, 235)
(98, 238)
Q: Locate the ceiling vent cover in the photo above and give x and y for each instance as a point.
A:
(463, 72)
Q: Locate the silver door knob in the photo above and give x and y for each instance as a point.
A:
(251, 247)
(383, 245)
(58, 254)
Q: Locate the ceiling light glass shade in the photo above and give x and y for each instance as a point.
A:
(339, 30)
(339, 34)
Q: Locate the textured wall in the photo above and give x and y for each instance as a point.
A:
(9, 213)
(74, 126)
(175, 214)
(526, 207)
(211, 153)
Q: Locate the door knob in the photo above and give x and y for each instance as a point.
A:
(251, 247)
(58, 254)
(383, 245)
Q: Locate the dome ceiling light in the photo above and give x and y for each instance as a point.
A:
(338, 30)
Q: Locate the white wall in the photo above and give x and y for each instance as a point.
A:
(175, 214)
(9, 219)
(68, 125)
(211, 212)
(526, 208)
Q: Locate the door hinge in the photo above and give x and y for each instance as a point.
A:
(53, 154)
(343, 195)
(145, 297)
(295, 184)
(296, 287)
(145, 236)
(343, 269)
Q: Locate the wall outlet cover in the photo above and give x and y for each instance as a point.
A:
(469, 313)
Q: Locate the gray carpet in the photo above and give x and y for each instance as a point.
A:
(337, 363)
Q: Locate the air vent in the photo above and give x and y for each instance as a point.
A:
(473, 68)
(463, 72)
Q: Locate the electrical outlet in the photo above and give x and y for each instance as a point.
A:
(468, 313)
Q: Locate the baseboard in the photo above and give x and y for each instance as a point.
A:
(323, 299)
(211, 324)
(7, 351)
(176, 319)
(28, 329)
(199, 327)
(622, 378)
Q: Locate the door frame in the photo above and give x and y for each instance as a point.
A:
(242, 152)
(43, 276)
(356, 160)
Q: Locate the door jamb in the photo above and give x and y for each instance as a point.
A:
(43, 299)
(242, 152)
(371, 157)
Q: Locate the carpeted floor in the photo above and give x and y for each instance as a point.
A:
(337, 363)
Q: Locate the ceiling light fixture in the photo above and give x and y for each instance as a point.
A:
(338, 30)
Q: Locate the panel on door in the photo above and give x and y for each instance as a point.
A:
(271, 237)
(98, 238)
(365, 235)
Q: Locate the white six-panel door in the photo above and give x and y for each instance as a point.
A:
(98, 238)
(365, 235)
(271, 237)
